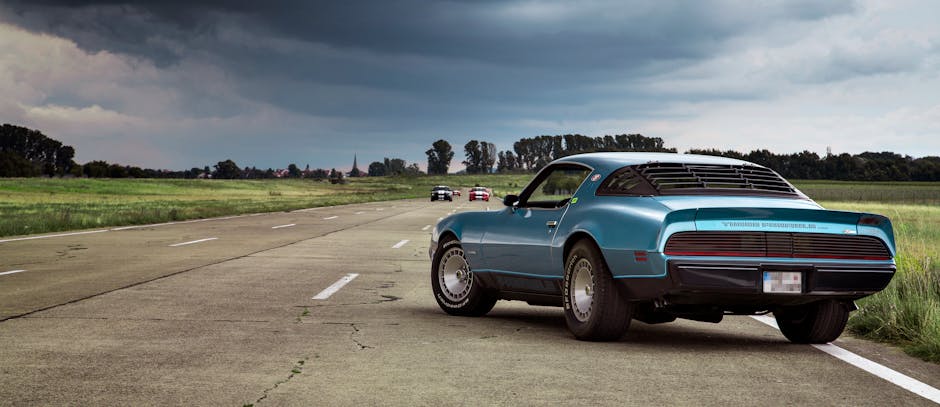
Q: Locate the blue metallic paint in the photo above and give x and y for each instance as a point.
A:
(516, 241)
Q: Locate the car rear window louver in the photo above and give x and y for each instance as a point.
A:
(676, 178)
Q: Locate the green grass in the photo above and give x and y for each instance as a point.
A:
(42, 205)
(907, 313)
(925, 193)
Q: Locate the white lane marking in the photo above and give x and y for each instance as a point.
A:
(426, 227)
(194, 242)
(897, 378)
(380, 209)
(133, 227)
(335, 287)
(309, 209)
(11, 272)
(441, 218)
(58, 235)
(359, 213)
(400, 244)
(283, 226)
(330, 217)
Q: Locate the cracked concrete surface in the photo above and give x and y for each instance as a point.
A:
(229, 322)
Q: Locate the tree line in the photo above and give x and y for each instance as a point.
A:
(531, 154)
(28, 153)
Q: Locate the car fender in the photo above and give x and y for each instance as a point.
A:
(463, 226)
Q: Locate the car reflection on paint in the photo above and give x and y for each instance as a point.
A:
(613, 237)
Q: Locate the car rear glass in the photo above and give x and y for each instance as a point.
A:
(695, 179)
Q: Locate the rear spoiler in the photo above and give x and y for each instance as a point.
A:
(779, 220)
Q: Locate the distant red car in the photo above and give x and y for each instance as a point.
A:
(479, 193)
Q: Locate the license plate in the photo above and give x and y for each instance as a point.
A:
(785, 282)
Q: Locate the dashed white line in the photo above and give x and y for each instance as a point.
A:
(400, 244)
(897, 378)
(335, 287)
(441, 218)
(58, 235)
(330, 217)
(11, 272)
(426, 227)
(283, 226)
(359, 213)
(194, 242)
(380, 209)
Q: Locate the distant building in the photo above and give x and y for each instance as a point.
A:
(355, 172)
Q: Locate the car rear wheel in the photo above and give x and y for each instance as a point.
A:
(594, 308)
(456, 290)
(818, 322)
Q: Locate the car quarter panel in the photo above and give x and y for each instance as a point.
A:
(622, 227)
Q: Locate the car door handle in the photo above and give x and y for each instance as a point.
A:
(551, 223)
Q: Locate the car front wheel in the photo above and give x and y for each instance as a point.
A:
(594, 308)
(455, 288)
(818, 322)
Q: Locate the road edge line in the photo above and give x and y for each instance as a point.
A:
(888, 374)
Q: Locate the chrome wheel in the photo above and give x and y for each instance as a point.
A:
(582, 291)
(454, 274)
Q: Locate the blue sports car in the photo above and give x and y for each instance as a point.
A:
(613, 237)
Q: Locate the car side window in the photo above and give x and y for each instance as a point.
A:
(556, 187)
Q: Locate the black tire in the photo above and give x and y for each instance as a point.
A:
(818, 322)
(597, 312)
(471, 299)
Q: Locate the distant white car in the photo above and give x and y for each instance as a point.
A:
(441, 193)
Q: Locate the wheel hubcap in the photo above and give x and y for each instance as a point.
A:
(454, 275)
(582, 290)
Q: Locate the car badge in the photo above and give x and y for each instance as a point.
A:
(574, 200)
(595, 177)
(849, 232)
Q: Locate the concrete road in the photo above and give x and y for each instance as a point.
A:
(160, 316)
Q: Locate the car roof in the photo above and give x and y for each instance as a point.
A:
(607, 162)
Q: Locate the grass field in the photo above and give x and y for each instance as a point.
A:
(907, 313)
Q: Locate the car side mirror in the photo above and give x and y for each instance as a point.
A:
(510, 200)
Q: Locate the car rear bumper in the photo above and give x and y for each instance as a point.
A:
(741, 282)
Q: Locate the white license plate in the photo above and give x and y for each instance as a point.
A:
(786, 282)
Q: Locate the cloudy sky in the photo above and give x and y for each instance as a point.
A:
(176, 83)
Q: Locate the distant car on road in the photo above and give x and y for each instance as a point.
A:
(441, 192)
(613, 237)
(479, 193)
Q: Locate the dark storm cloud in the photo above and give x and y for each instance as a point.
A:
(522, 33)
(412, 68)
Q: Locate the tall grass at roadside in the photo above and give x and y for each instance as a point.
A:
(907, 312)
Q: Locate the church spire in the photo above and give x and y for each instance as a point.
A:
(355, 169)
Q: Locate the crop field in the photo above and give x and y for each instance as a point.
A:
(907, 313)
